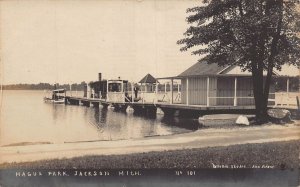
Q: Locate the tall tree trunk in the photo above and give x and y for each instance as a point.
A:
(262, 115)
(257, 78)
(273, 53)
(267, 85)
(262, 112)
(261, 92)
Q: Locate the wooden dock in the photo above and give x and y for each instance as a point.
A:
(197, 110)
(137, 106)
(150, 108)
(167, 108)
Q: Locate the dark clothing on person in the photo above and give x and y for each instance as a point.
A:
(136, 90)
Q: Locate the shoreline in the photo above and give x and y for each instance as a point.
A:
(227, 145)
(279, 155)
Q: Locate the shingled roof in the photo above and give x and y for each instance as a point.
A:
(148, 79)
(202, 68)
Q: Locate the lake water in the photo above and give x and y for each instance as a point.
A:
(26, 118)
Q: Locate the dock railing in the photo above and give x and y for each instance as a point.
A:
(163, 97)
(286, 99)
(115, 97)
(153, 97)
(237, 100)
(166, 97)
(280, 99)
(234, 101)
(147, 97)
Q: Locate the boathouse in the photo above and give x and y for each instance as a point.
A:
(212, 85)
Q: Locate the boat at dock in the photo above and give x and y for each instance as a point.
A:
(55, 96)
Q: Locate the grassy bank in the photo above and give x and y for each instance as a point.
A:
(276, 154)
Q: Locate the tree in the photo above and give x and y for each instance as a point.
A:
(257, 35)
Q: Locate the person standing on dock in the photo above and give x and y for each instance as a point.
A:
(136, 90)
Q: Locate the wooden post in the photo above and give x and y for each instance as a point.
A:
(207, 91)
(235, 92)
(142, 92)
(90, 91)
(87, 91)
(71, 89)
(122, 87)
(299, 82)
(288, 85)
(171, 89)
(287, 91)
(132, 92)
(107, 99)
(165, 87)
(187, 91)
(156, 91)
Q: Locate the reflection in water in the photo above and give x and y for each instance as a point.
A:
(186, 123)
(26, 118)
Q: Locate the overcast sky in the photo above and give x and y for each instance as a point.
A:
(71, 41)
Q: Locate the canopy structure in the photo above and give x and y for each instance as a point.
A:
(59, 91)
(148, 79)
(148, 83)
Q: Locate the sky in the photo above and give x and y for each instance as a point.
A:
(71, 41)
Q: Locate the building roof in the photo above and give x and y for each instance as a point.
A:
(202, 68)
(148, 79)
(288, 71)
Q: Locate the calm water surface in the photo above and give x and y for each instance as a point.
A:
(26, 118)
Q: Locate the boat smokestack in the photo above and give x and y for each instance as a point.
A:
(99, 76)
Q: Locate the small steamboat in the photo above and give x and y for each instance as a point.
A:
(55, 96)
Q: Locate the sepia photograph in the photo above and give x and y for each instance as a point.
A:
(150, 93)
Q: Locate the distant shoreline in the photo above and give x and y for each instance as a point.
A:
(37, 89)
(44, 86)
